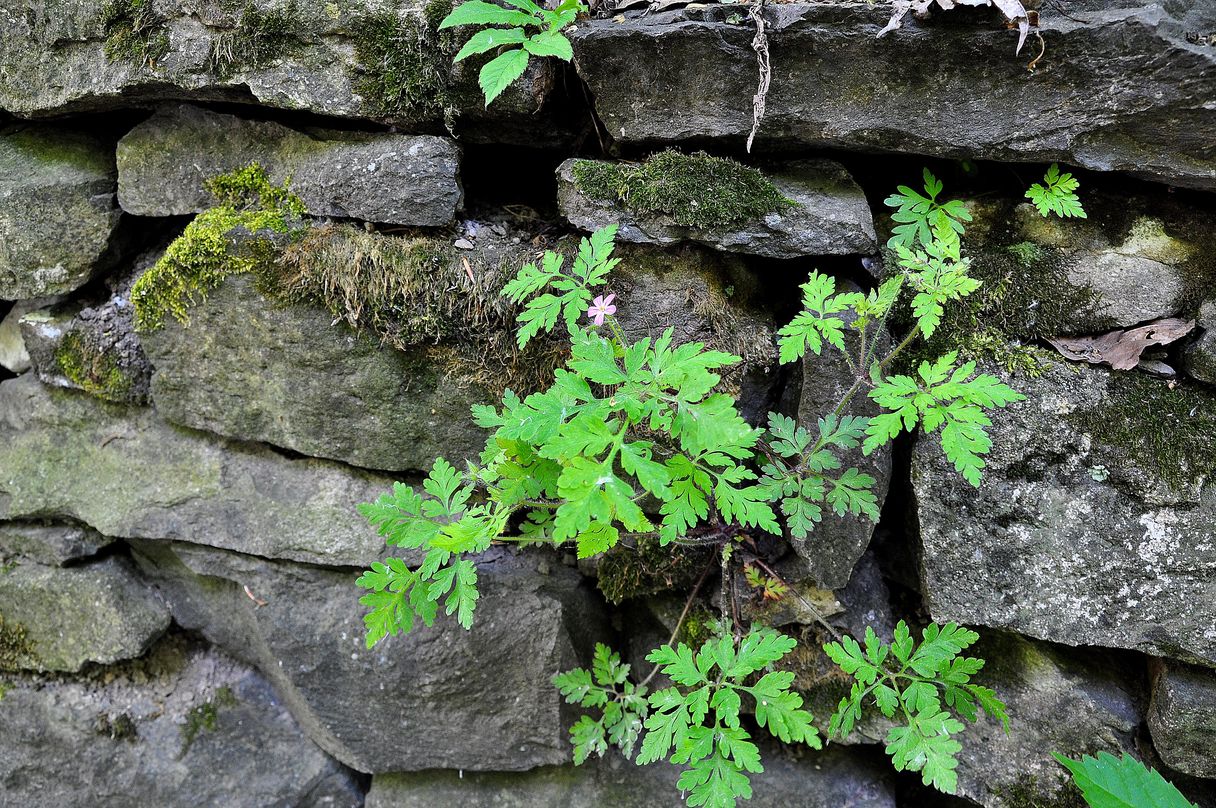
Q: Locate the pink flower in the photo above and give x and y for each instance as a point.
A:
(601, 307)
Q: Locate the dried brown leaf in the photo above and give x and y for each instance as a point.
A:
(1121, 349)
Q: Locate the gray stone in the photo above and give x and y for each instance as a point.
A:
(57, 210)
(128, 474)
(249, 368)
(1092, 525)
(440, 697)
(98, 612)
(376, 176)
(49, 543)
(1201, 355)
(13, 355)
(1056, 704)
(183, 726)
(1180, 718)
(53, 61)
(819, 780)
(830, 216)
(1136, 89)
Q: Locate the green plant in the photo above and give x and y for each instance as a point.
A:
(498, 73)
(1057, 194)
(920, 216)
(632, 441)
(1122, 782)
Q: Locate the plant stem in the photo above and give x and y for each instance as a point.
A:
(683, 614)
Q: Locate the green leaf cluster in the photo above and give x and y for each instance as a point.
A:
(922, 687)
(622, 705)
(920, 215)
(531, 31)
(1121, 782)
(1057, 195)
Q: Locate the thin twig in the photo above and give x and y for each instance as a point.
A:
(818, 614)
(760, 46)
(1042, 50)
(687, 605)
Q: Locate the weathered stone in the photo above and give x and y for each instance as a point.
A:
(183, 726)
(249, 368)
(1201, 355)
(128, 474)
(290, 57)
(830, 216)
(48, 543)
(1136, 89)
(97, 612)
(13, 355)
(1180, 718)
(440, 697)
(376, 176)
(57, 210)
(819, 780)
(1092, 525)
(1056, 704)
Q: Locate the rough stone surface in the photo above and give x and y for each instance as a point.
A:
(57, 210)
(97, 612)
(54, 62)
(249, 368)
(49, 543)
(374, 176)
(1070, 538)
(831, 216)
(1135, 88)
(437, 698)
(820, 780)
(1180, 718)
(13, 355)
(183, 726)
(1201, 355)
(128, 474)
(1056, 703)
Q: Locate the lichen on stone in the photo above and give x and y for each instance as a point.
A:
(259, 38)
(406, 62)
(695, 190)
(135, 32)
(87, 364)
(205, 254)
(204, 718)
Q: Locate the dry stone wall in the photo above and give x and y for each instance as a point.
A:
(179, 623)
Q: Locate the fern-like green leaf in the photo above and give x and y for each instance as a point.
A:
(1123, 782)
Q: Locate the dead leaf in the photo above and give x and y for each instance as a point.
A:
(1121, 349)
(1013, 11)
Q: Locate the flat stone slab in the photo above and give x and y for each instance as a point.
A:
(375, 176)
(830, 216)
(57, 210)
(1118, 88)
(128, 474)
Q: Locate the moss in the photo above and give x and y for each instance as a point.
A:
(134, 32)
(1171, 432)
(16, 650)
(695, 190)
(82, 360)
(699, 625)
(1027, 792)
(259, 38)
(406, 62)
(204, 254)
(119, 728)
(649, 568)
(204, 718)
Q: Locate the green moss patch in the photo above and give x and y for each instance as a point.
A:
(1171, 432)
(80, 357)
(259, 38)
(204, 718)
(205, 254)
(695, 190)
(134, 32)
(648, 569)
(406, 62)
(16, 649)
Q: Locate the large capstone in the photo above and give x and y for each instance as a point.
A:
(1092, 525)
(128, 474)
(58, 619)
(1180, 718)
(1135, 87)
(823, 213)
(474, 700)
(185, 725)
(57, 210)
(821, 780)
(376, 176)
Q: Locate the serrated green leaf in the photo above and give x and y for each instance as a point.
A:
(1123, 782)
(498, 73)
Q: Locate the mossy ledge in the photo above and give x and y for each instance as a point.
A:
(259, 38)
(199, 259)
(406, 62)
(134, 32)
(695, 190)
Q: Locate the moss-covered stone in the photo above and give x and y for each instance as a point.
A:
(94, 370)
(695, 190)
(204, 718)
(205, 254)
(647, 569)
(16, 650)
(135, 32)
(406, 62)
(259, 38)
